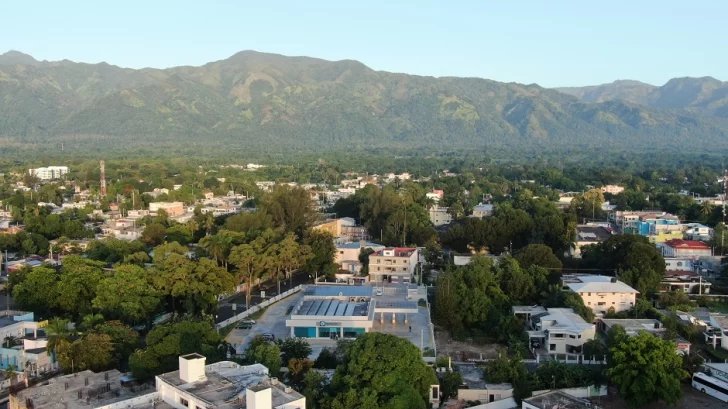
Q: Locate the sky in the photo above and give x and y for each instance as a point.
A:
(549, 42)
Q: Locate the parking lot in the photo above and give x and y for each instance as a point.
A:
(273, 321)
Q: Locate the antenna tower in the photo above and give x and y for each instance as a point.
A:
(103, 178)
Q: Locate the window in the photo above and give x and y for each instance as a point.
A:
(589, 303)
(341, 252)
(601, 303)
(679, 263)
(557, 335)
(184, 402)
(579, 336)
(572, 336)
(589, 294)
(552, 347)
(612, 302)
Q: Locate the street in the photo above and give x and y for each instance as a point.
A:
(225, 309)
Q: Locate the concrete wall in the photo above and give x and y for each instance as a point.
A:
(583, 392)
(508, 403)
(483, 395)
(257, 308)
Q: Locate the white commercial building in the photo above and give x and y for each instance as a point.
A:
(336, 312)
(49, 172)
(393, 264)
(600, 293)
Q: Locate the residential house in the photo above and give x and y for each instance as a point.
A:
(686, 281)
(561, 330)
(716, 333)
(697, 231)
(680, 264)
(600, 293)
(612, 189)
(634, 326)
(435, 195)
(393, 264)
(172, 208)
(22, 346)
(587, 235)
(439, 216)
(475, 386)
(482, 210)
(347, 254)
(685, 248)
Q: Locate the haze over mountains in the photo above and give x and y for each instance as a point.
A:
(268, 101)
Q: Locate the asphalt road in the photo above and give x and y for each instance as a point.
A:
(225, 309)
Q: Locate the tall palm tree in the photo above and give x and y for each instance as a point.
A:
(706, 209)
(218, 246)
(193, 226)
(58, 334)
(90, 321)
(209, 223)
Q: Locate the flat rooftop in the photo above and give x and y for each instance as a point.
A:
(226, 385)
(396, 306)
(64, 391)
(338, 291)
(332, 308)
(632, 325)
(528, 309)
(557, 399)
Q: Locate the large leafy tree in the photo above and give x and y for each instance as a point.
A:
(382, 371)
(93, 351)
(322, 253)
(538, 255)
(165, 343)
(79, 280)
(128, 294)
(290, 208)
(646, 369)
(38, 291)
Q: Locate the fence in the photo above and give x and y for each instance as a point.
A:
(258, 307)
(582, 392)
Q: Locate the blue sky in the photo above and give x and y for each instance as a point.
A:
(549, 42)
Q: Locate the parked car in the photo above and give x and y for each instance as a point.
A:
(244, 325)
(379, 291)
(248, 320)
(268, 336)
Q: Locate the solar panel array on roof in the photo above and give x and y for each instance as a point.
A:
(334, 291)
(329, 308)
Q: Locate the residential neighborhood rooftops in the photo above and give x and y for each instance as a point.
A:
(528, 309)
(395, 252)
(633, 326)
(596, 284)
(556, 400)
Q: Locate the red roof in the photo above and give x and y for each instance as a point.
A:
(681, 274)
(687, 244)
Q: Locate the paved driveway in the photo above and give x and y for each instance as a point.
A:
(273, 321)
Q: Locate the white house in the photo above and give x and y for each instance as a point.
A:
(600, 293)
(561, 330)
(482, 210)
(685, 248)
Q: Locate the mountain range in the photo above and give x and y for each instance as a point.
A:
(706, 94)
(258, 101)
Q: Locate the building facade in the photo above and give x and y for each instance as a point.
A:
(600, 293)
(439, 215)
(393, 265)
(561, 331)
(49, 172)
(685, 248)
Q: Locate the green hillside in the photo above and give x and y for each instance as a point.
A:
(706, 94)
(267, 102)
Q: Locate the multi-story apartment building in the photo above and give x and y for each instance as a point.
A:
(393, 264)
(600, 293)
(49, 172)
(439, 215)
